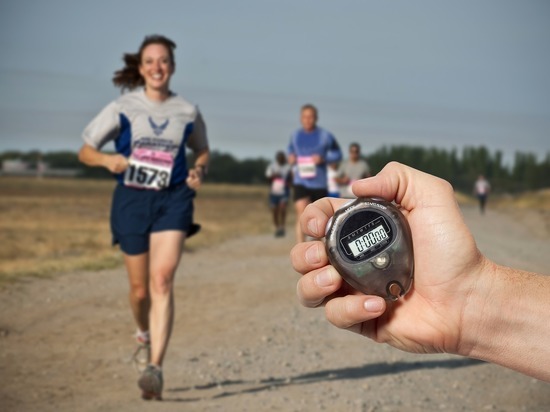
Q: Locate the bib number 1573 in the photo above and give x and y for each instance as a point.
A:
(149, 169)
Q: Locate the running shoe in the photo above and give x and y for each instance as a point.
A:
(142, 354)
(150, 383)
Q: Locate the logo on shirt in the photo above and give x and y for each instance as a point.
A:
(158, 129)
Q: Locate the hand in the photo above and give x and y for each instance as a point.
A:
(116, 163)
(317, 159)
(194, 178)
(447, 266)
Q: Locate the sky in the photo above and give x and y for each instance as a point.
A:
(437, 73)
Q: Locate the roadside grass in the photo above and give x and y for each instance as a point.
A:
(50, 226)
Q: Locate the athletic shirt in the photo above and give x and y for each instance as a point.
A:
(133, 121)
(354, 171)
(482, 187)
(306, 144)
(282, 172)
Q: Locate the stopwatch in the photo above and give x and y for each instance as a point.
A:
(369, 242)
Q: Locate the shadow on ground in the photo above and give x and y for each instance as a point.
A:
(237, 387)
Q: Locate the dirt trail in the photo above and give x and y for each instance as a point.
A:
(242, 342)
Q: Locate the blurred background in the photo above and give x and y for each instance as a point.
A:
(426, 73)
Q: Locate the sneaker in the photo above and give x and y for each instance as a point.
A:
(142, 354)
(150, 383)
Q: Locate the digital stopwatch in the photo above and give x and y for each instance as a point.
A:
(369, 243)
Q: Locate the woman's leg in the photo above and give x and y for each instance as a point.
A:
(164, 255)
(137, 267)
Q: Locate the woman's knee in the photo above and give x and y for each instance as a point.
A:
(139, 292)
(162, 280)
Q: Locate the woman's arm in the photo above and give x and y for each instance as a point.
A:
(198, 172)
(90, 156)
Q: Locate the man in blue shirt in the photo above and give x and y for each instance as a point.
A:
(310, 149)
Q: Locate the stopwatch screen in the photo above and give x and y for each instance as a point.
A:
(365, 234)
(368, 241)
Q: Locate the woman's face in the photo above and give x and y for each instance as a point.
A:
(156, 67)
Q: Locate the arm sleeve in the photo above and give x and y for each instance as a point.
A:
(290, 148)
(103, 128)
(268, 172)
(197, 139)
(333, 153)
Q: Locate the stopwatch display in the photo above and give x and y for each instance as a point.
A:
(369, 242)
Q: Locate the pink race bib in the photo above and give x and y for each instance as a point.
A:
(306, 167)
(149, 169)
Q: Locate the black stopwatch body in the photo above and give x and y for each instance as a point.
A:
(369, 242)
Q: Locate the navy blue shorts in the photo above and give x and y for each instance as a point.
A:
(275, 200)
(136, 213)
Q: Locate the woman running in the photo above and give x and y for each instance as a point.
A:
(152, 207)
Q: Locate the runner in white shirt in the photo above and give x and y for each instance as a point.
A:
(481, 190)
(279, 174)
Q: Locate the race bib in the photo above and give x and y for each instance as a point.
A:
(306, 167)
(278, 186)
(149, 169)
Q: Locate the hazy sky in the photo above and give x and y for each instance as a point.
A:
(441, 73)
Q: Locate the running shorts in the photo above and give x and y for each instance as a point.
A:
(301, 192)
(136, 213)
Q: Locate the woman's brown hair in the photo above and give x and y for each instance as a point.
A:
(129, 77)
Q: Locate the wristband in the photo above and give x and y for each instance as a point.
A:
(203, 169)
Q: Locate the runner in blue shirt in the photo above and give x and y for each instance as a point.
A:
(152, 208)
(310, 149)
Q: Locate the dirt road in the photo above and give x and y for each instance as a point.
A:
(242, 342)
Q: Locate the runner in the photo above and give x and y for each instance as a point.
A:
(278, 173)
(333, 186)
(481, 190)
(152, 208)
(309, 151)
(352, 170)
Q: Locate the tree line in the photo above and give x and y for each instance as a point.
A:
(526, 172)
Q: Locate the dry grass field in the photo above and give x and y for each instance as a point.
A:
(57, 225)
(49, 226)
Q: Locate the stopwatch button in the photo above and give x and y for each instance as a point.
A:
(395, 289)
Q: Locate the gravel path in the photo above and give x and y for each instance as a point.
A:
(242, 342)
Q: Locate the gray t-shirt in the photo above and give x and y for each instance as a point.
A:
(133, 121)
(354, 171)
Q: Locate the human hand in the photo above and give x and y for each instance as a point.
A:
(116, 163)
(194, 178)
(447, 266)
(317, 159)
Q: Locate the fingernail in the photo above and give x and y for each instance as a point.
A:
(324, 278)
(312, 226)
(374, 305)
(312, 255)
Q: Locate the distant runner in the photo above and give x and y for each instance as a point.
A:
(309, 151)
(279, 175)
(333, 186)
(481, 190)
(152, 208)
(352, 170)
